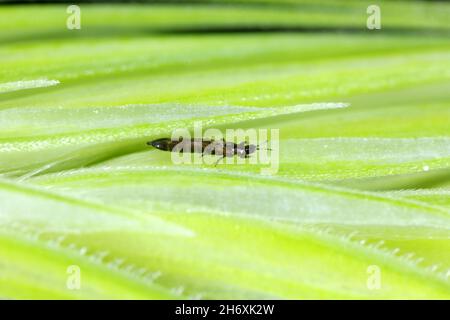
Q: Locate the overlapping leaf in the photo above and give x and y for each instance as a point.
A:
(80, 186)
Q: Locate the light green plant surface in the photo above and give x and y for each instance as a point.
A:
(364, 122)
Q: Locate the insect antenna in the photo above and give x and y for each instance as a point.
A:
(265, 142)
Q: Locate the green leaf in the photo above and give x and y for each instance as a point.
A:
(81, 133)
(358, 188)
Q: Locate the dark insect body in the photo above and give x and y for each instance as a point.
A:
(206, 147)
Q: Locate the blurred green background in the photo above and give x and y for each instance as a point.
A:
(366, 185)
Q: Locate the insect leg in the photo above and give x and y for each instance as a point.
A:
(209, 151)
(217, 162)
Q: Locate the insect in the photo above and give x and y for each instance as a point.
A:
(205, 146)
